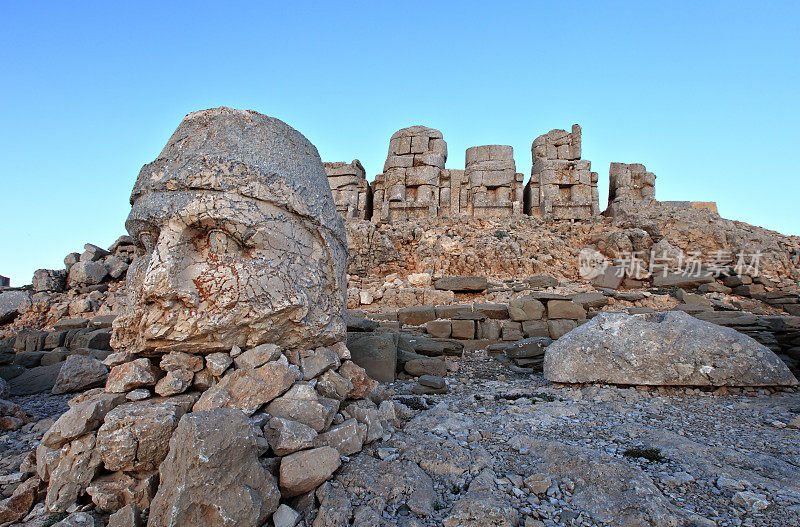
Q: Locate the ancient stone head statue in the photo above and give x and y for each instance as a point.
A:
(238, 238)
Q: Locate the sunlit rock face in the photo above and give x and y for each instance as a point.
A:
(238, 239)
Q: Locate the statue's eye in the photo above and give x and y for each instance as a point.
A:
(221, 242)
(148, 240)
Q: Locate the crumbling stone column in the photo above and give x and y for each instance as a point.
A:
(351, 191)
(410, 182)
(494, 188)
(629, 186)
(562, 185)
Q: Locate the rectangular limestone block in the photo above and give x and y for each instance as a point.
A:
(453, 311)
(535, 328)
(430, 159)
(438, 328)
(400, 146)
(403, 161)
(416, 315)
(438, 146)
(489, 329)
(476, 154)
(511, 330)
(561, 327)
(565, 309)
(422, 175)
(494, 311)
(463, 329)
(419, 144)
(497, 178)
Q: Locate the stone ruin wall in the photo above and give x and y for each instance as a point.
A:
(562, 185)
(630, 186)
(350, 188)
(416, 184)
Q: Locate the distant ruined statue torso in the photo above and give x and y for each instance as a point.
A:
(238, 240)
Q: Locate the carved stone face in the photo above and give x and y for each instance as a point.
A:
(227, 258)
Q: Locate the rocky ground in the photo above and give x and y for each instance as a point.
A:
(504, 448)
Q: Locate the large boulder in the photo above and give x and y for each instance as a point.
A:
(79, 373)
(135, 436)
(12, 303)
(667, 348)
(375, 352)
(212, 476)
(86, 273)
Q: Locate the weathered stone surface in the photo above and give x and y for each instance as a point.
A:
(592, 299)
(217, 363)
(16, 506)
(76, 469)
(560, 327)
(565, 309)
(130, 375)
(11, 303)
(258, 356)
(482, 505)
(174, 382)
(363, 384)
(248, 389)
(376, 353)
(334, 386)
(463, 329)
(80, 373)
(525, 308)
(135, 436)
(416, 315)
(318, 361)
(525, 349)
(250, 175)
(87, 273)
(286, 516)
(426, 366)
(302, 403)
(304, 471)
(119, 490)
(49, 280)
(345, 438)
(127, 516)
(212, 476)
(286, 436)
(178, 360)
(473, 284)
(80, 419)
(493, 311)
(668, 348)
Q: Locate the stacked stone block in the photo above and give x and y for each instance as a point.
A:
(562, 185)
(629, 185)
(493, 186)
(351, 191)
(411, 179)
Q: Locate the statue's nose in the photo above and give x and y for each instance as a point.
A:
(167, 278)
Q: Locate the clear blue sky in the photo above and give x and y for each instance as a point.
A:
(705, 94)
